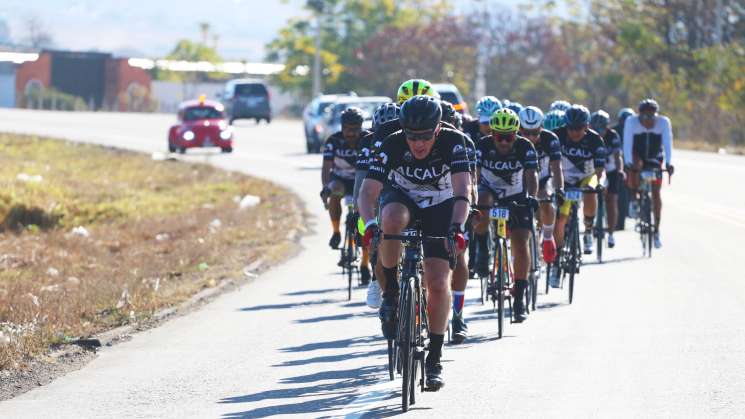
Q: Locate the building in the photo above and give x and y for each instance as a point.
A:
(98, 79)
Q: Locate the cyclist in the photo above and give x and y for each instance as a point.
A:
(461, 271)
(548, 148)
(648, 143)
(420, 173)
(475, 129)
(583, 162)
(338, 170)
(507, 165)
(385, 122)
(623, 194)
(560, 105)
(614, 172)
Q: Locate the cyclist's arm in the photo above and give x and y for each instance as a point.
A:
(628, 141)
(557, 174)
(328, 165)
(359, 176)
(369, 192)
(461, 187)
(667, 140)
(531, 181)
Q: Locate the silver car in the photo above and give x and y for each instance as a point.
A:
(331, 120)
(311, 120)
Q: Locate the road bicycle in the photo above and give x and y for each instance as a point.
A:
(407, 352)
(645, 224)
(350, 248)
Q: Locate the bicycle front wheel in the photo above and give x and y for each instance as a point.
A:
(499, 266)
(406, 339)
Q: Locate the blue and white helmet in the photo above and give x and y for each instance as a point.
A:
(554, 120)
(385, 113)
(560, 105)
(516, 107)
(486, 106)
(531, 117)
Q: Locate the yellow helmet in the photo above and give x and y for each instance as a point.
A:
(415, 87)
(504, 121)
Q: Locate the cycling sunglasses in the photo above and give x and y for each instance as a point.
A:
(647, 116)
(531, 132)
(507, 137)
(582, 128)
(428, 135)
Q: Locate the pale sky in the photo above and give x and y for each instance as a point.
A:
(151, 28)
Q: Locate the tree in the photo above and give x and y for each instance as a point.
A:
(37, 35)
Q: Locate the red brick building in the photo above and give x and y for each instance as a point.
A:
(101, 81)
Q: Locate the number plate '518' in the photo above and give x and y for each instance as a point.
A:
(499, 214)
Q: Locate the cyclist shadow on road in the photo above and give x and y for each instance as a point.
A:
(337, 394)
(287, 305)
(618, 260)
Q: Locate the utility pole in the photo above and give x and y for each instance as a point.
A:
(479, 88)
(317, 59)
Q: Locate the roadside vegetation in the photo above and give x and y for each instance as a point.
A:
(93, 238)
(606, 54)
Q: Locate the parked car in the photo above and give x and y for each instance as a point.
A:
(201, 123)
(311, 120)
(331, 120)
(247, 99)
(451, 94)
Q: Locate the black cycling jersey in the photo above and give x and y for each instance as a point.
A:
(363, 151)
(344, 156)
(548, 148)
(427, 181)
(470, 145)
(612, 145)
(501, 173)
(581, 158)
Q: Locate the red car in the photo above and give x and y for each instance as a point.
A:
(201, 124)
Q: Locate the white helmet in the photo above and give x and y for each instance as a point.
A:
(561, 105)
(531, 118)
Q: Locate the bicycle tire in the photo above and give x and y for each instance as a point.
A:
(573, 264)
(407, 345)
(599, 229)
(499, 266)
(549, 267)
(350, 267)
(535, 271)
(391, 360)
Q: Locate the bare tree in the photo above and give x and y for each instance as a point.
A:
(37, 35)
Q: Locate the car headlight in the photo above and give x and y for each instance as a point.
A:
(188, 135)
(226, 134)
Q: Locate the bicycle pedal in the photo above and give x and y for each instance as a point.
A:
(418, 353)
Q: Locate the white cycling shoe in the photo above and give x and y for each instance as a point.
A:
(588, 243)
(374, 295)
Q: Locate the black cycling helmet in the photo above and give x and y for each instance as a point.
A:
(421, 113)
(385, 113)
(352, 116)
(647, 105)
(599, 121)
(577, 116)
(448, 112)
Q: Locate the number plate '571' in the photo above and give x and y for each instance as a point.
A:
(499, 214)
(573, 195)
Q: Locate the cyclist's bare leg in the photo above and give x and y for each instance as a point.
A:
(460, 274)
(520, 252)
(561, 222)
(589, 209)
(611, 202)
(394, 218)
(657, 201)
(437, 279)
(337, 193)
(546, 211)
(481, 224)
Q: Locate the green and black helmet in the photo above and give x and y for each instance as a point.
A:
(415, 87)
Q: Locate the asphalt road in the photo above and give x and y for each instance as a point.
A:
(644, 338)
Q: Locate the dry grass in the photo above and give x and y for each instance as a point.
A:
(151, 241)
(696, 145)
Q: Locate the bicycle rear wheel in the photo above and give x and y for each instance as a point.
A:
(406, 338)
(535, 271)
(350, 265)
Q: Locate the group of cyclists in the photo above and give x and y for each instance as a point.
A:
(424, 162)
